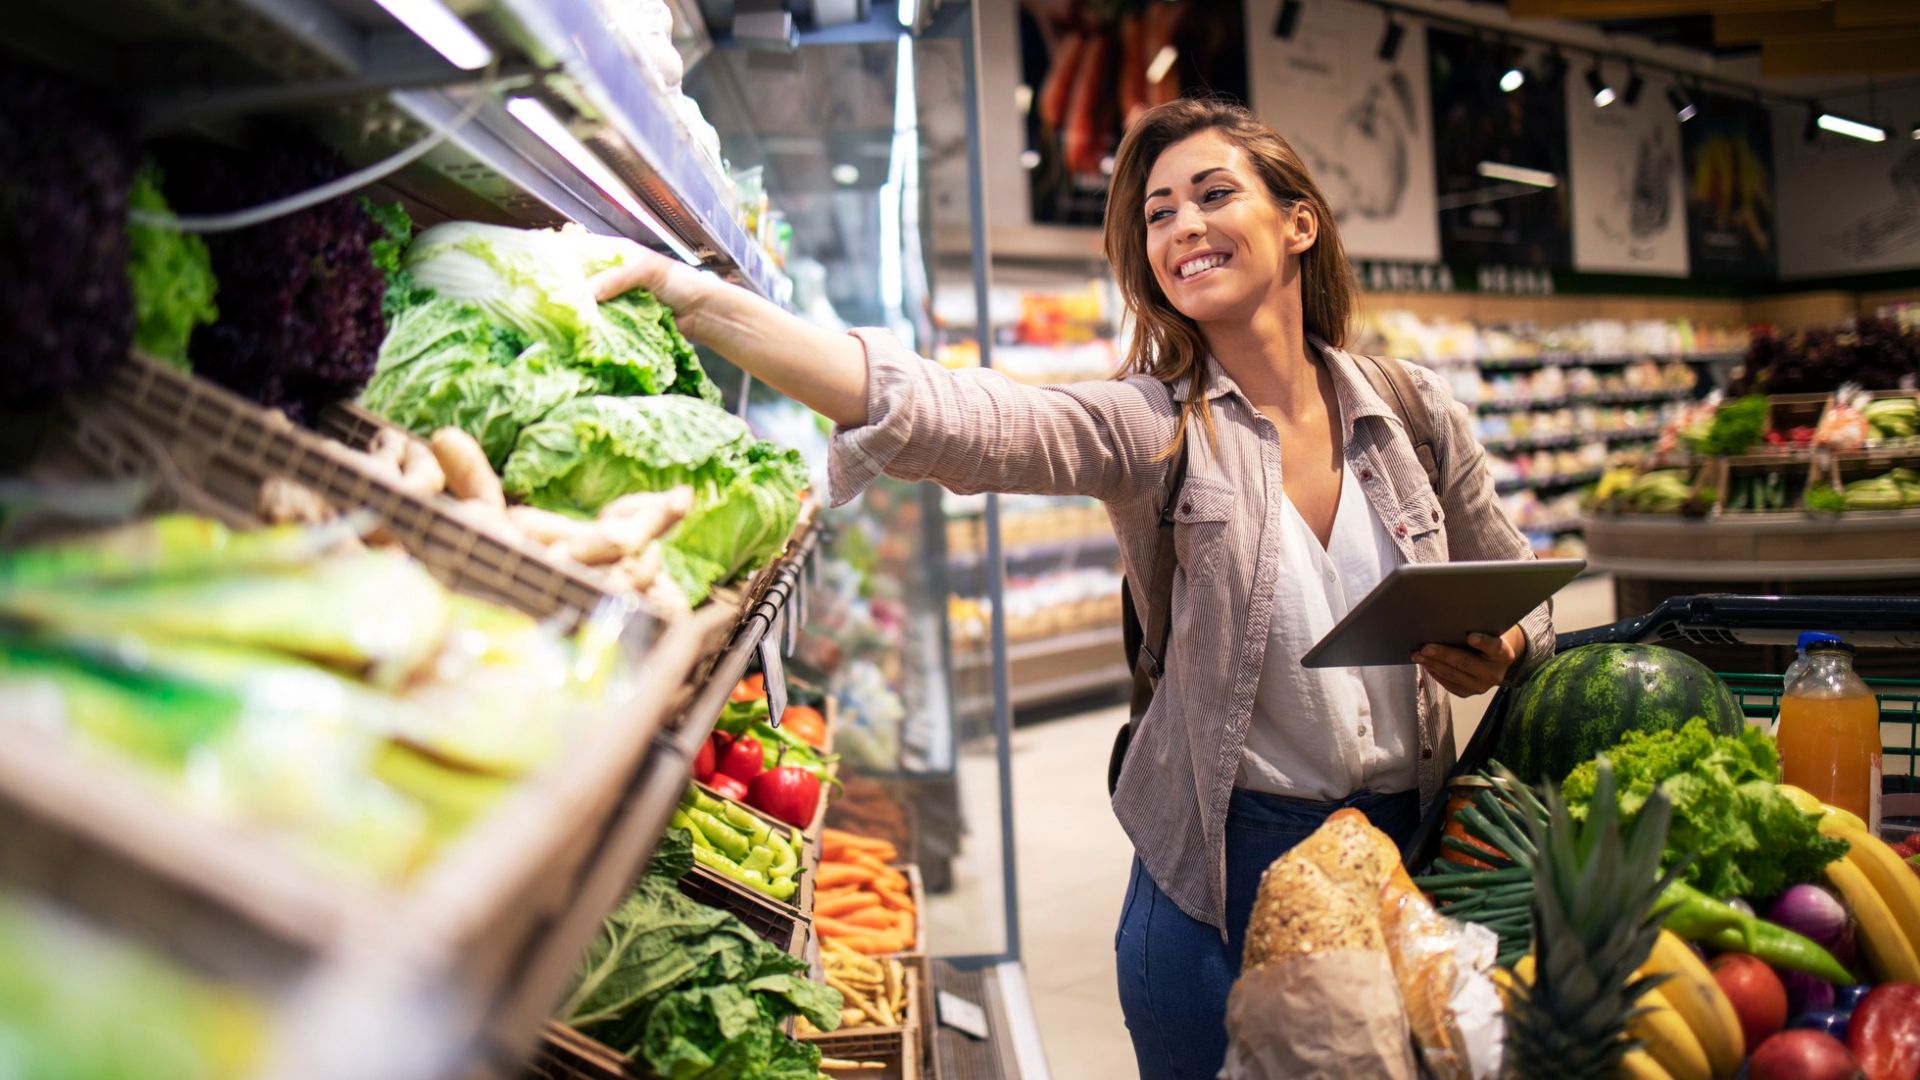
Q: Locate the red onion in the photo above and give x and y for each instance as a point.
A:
(1810, 911)
(1806, 993)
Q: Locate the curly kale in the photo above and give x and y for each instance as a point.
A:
(67, 160)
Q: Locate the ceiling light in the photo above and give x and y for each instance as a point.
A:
(846, 174)
(1840, 125)
(1635, 84)
(1023, 98)
(1288, 19)
(1916, 133)
(1161, 63)
(1390, 40)
(1602, 93)
(909, 12)
(1518, 174)
(1029, 159)
(1513, 80)
(436, 24)
(540, 120)
(1682, 107)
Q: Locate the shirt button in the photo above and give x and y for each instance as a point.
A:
(1186, 508)
(1363, 731)
(1400, 529)
(1436, 515)
(1366, 474)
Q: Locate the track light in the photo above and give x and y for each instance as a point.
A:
(1602, 93)
(1840, 125)
(1916, 133)
(1682, 107)
(1513, 80)
(1288, 19)
(1390, 39)
(1635, 84)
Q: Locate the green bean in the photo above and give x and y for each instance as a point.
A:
(1479, 878)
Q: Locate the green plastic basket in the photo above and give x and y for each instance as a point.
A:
(1759, 697)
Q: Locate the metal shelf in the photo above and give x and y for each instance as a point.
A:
(1542, 483)
(1552, 359)
(1604, 397)
(1549, 442)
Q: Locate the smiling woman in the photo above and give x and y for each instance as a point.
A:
(1307, 487)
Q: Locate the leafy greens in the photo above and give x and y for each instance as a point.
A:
(691, 990)
(1749, 840)
(172, 274)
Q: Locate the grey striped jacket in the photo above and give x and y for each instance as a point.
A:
(975, 430)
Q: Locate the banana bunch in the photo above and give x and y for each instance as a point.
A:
(1877, 885)
(1892, 490)
(1894, 418)
(1662, 491)
(1686, 1027)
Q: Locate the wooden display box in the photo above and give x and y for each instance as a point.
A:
(1788, 411)
(781, 922)
(1796, 470)
(1702, 475)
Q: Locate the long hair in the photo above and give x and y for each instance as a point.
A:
(1166, 344)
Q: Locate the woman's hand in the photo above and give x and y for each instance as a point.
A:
(1468, 672)
(823, 369)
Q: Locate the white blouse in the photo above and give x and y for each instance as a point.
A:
(1325, 733)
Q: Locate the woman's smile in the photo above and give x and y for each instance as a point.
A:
(1200, 264)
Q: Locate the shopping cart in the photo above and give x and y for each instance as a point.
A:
(1866, 622)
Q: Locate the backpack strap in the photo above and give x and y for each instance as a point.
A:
(1146, 645)
(1390, 379)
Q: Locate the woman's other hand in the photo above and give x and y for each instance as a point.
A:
(1466, 672)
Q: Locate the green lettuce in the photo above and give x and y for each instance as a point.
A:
(443, 364)
(592, 450)
(1748, 839)
(172, 275)
(741, 527)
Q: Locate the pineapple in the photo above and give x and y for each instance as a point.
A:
(1594, 925)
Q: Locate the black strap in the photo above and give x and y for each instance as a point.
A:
(1391, 381)
(1146, 642)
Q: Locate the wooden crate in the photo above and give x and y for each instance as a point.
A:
(1800, 469)
(1788, 411)
(899, 1046)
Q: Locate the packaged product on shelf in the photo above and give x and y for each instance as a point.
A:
(293, 682)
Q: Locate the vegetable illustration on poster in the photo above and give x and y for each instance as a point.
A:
(1088, 65)
(1362, 124)
(1629, 199)
(1849, 205)
(1728, 149)
(1501, 157)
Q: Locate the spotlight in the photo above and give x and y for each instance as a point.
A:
(1840, 125)
(1602, 93)
(1390, 40)
(1288, 19)
(1916, 133)
(1635, 84)
(1682, 107)
(1513, 80)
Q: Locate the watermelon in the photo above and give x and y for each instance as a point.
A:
(1583, 701)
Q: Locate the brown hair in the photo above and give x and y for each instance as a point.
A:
(1165, 343)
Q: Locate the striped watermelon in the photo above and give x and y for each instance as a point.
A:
(1583, 701)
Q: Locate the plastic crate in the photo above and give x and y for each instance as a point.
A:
(1867, 622)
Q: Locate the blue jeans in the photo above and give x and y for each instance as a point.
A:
(1175, 971)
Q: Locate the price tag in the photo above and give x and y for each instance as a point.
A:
(775, 669)
(962, 1015)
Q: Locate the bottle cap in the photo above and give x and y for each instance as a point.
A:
(1815, 637)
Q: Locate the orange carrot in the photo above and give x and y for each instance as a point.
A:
(898, 899)
(839, 873)
(873, 918)
(846, 905)
(837, 928)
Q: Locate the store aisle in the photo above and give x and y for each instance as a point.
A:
(1073, 861)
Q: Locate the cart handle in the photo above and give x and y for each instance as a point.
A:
(1884, 622)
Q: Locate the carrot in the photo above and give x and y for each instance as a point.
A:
(876, 944)
(840, 873)
(897, 899)
(846, 841)
(846, 905)
(874, 918)
(832, 927)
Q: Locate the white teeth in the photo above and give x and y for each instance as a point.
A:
(1205, 262)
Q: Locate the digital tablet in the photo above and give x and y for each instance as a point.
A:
(1438, 604)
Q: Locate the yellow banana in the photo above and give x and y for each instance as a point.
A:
(1639, 1065)
(1666, 1036)
(1891, 877)
(1844, 817)
(1801, 798)
(1887, 948)
(1693, 993)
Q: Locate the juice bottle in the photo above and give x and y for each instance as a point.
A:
(1829, 735)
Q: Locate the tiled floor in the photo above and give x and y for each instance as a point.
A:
(1073, 862)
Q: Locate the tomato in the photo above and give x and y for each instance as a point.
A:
(1885, 1033)
(751, 688)
(807, 723)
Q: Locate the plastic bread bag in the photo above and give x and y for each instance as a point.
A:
(1844, 426)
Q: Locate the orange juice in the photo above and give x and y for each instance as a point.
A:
(1829, 734)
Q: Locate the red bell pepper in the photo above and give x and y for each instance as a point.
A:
(787, 792)
(745, 759)
(729, 787)
(705, 761)
(1885, 1032)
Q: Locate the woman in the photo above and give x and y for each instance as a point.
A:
(1302, 491)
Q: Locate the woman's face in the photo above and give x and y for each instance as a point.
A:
(1219, 244)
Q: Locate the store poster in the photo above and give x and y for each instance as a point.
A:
(1087, 66)
(1362, 125)
(1728, 151)
(1629, 197)
(1479, 126)
(1848, 206)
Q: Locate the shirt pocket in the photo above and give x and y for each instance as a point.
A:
(1200, 529)
(1426, 533)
